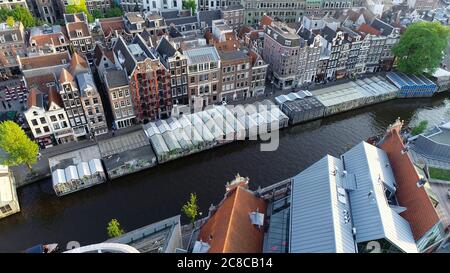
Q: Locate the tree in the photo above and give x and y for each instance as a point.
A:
(79, 6)
(190, 209)
(422, 47)
(417, 130)
(97, 14)
(23, 15)
(114, 12)
(10, 21)
(190, 4)
(16, 144)
(18, 13)
(114, 229)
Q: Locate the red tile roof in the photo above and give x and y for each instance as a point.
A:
(47, 60)
(41, 82)
(229, 229)
(73, 27)
(109, 25)
(365, 28)
(78, 60)
(32, 98)
(266, 20)
(65, 76)
(420, 212)
(49, 39)
(53, 96)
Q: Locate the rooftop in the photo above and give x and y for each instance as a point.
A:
(7, 190)
(230, 229)
(420, 212)
(154, 238)
(116, 78)
(203, 54)
(47, 60)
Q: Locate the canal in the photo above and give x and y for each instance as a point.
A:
(158, 193)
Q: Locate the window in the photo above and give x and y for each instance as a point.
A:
(38, 131)
(43, 121)
(127, 93)
(192, 79)
(95, 100)
(86, 102)
(5, 209)
(34, 122)
(53, 118)
(120, 93)
(116, 105)
(56, 126)
(114, 95)
(60, 116)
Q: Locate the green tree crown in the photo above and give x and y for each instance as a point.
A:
(422, 47)
(16, 144)
(190, 209)
(114, 229)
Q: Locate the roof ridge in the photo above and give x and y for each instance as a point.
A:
(225, 243)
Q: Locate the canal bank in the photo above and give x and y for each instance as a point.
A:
(159, 192)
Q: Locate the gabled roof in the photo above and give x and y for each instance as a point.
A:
(365, 28)
(124, 56)
(318, 204)
(42, 40)
(47, 60)
(53, 96)
(381, 26)
(229, 229)
(33, 99)
(100, 52)
(78, 62)
(109, 25)
(165, 48)
(73, 27)
(266, 20)
(372, 215)
(41, 82)
(65, 76)
(420, 212)
(328, 33)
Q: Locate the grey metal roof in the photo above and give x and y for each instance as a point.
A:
(165, 48)
(233, 55)
(371, 214)
(381, 26)
(124, 56)
(85, 81)
(170, 14)
(116, 78)
(208, 16)
(328, 33)
(319, 217)
(202, 55)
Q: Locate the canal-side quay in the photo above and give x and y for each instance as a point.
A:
(141, 147)
(159, 193)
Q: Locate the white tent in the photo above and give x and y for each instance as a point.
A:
(83, 170)
(95, 165)
(71, 174)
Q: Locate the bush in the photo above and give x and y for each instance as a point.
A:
(417, 130)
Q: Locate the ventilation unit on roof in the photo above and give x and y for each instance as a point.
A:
(344, 173)
(200, 247)
(421, 182)
(257, 218)
(405, 150)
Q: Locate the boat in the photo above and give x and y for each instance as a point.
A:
(42, 248)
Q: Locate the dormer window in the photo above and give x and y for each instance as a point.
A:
(14, 37)
(61, 39)
(138, 26)
(2, 38)
(33, 43)
(79, 33)
(63, 61)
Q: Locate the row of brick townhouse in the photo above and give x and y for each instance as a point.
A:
(64, 104)
(326, 48)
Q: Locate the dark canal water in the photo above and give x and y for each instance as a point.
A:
(158, 193)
